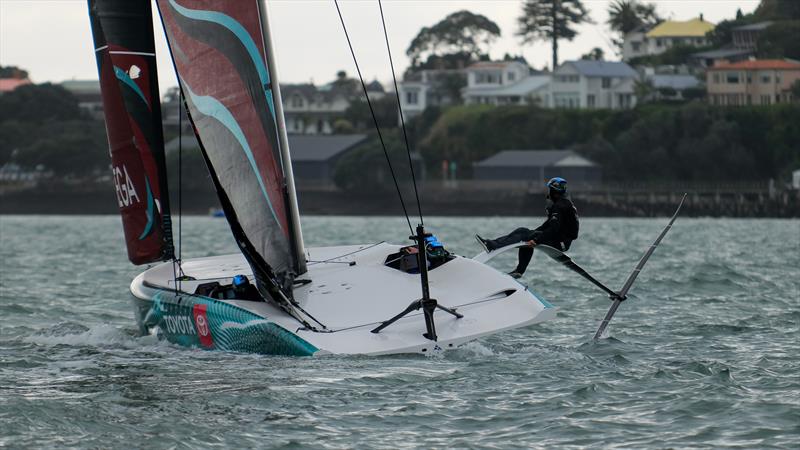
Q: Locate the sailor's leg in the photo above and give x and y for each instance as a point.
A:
(518, 235)
(525, 255)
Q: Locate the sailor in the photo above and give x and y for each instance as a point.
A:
(558, 231)
(243, 289)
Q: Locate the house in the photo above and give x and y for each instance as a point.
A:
(593, 84)
(720, 56)
(309, 109)
(665, 35)
(504, 83)
(746, 36)
(88, 94)
(754, 82)
(674, 86)
(634, 43)
(535, 165)
(430, 87)
(9, 84)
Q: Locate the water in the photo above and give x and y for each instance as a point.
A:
(706, 355)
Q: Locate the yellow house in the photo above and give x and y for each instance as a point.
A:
(665, 35)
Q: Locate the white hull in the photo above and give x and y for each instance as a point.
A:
(350, 300)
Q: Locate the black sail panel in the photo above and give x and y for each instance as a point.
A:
(125, 53)
(219, 54)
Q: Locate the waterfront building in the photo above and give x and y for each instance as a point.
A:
(754, 82)
(593, 84)
(535, 165)
(505, 83)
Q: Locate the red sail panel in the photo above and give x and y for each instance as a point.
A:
(125, 53)
(219, 54)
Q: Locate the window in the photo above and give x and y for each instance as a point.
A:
(567, 78)
(659, 42)
(765, 78)
(590, 101)
(749, 77)
(777, 78)
(487, 77)
(412, 97)
(606, 82)
(716, 78)
(636, 46)
(732, 77)
(511, 76)
(297, 101)
(765, 99)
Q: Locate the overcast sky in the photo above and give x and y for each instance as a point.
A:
(52, 39)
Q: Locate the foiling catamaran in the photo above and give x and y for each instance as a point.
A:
(356, 299)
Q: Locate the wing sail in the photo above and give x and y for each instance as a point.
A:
(125, 54)
(219, 52)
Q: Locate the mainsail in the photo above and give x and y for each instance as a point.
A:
(125, 53)
(220, 54)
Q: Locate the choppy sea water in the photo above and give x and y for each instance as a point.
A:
(705, 355)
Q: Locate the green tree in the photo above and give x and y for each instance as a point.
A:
(778, 10)
(780, 40)
(551, 20)
(625, 16)
(795, 89)
(597, 54)
(13, 72)
(460, 33)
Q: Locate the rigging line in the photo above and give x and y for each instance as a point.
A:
(348, 254)
(402, 119)
(180, 185)
(374, 118)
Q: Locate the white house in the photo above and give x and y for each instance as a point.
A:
(593, 84)
(429, 87)
(667, 34)
(504, 83)
(314, 110)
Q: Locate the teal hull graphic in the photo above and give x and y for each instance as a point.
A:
(204, 322)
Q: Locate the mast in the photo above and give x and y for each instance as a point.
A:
(286, 159)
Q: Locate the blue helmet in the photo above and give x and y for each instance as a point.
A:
(239, 281)
(557, 184)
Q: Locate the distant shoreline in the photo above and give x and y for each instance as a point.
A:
(435, 202)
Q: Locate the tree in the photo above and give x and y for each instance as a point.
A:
(778, 10)
(551, 20)
(13, 72)
(625, 16)
(597, 54)
(795, 90)
(780, 40)
(461, 32)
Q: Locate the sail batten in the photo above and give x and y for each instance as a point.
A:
(125, 54)
(218, 50)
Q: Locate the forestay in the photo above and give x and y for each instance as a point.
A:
(125, 53)
(218, 48)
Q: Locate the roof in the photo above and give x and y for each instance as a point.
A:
(722, 53)
(760, 64)
(9, 84)
(678, 82)
(535, 158)
(303, 147)
(674, 28)
(375, 86)
(754, 26)
(322, 147)
(523, 87)
(491, 64)
(85, 86)
(591, 68)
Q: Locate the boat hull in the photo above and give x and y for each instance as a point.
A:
(351, 294)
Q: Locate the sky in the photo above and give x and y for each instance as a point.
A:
(52, 40)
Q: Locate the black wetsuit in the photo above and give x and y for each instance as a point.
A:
(558, 231)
